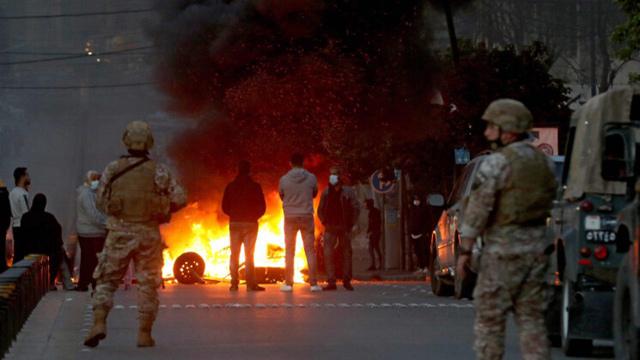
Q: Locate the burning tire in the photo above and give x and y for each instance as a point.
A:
(189, 268)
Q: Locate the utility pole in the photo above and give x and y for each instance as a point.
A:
(455, 53)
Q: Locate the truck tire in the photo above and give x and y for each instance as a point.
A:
(438, 287)
(570, 345)
(626, 336)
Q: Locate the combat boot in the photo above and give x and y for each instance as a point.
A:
(144, 333)
(99, 330)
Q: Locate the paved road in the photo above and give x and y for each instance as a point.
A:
(381, 320)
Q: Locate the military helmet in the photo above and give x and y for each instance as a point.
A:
(510, 115)
(138, 136)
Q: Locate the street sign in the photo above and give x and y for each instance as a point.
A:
(379, 184)
(462, 156)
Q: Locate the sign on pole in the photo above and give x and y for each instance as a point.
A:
(379, 184)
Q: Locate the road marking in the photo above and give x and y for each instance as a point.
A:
(468, 305)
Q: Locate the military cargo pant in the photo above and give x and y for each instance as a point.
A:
(145, 249)
(514, 283)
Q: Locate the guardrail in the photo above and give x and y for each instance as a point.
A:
(21, 288)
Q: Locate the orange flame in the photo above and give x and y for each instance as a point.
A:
(205, 230)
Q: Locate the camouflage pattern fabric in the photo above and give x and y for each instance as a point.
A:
(511, 283)
(134, 241)
(143, 245)
(512, 267)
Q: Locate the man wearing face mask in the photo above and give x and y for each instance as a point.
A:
(19, 200)
(338, 212)
(91, 229)
(510, 202)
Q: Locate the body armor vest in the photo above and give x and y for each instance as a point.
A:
(528, 195)
(134, 197)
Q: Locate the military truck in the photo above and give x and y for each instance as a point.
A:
(598, 180)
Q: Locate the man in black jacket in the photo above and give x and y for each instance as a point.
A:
(243, 201)
(5, 221)
(338, 212)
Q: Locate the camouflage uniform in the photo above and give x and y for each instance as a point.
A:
(133, 241)
(137, 194)
(513, 264)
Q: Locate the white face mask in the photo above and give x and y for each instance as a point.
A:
(416, 202)
(333, 179)
(94, 184)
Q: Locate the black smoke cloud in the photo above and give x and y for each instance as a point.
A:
(338, 80)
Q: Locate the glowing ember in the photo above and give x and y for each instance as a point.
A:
(204, 229)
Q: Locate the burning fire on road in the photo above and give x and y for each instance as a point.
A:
(202, 229)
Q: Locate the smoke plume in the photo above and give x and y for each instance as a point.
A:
(337, 79)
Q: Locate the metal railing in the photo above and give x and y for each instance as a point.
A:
(21, 288)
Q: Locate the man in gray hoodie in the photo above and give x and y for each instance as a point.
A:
(297, 189)
(91, 229)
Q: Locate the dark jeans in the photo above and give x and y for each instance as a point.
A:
(374, 248)
(19, 245)
(341, 239)
(89, 249)
(421, 248)
(307, 229)
(242, 234)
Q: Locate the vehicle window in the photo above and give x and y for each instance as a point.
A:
(460, 186)
(615, 163)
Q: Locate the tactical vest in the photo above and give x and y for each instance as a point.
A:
(528, 195)
(134, 197)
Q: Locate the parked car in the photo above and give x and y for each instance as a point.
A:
(445, 239)
(599, 168)
(626, 303)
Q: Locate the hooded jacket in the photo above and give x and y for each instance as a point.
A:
(42, 233)
(297, 189)
(90, 222)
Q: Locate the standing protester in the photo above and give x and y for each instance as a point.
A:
(374, 232)
(419, 231)
(297, 189)
(19, 199)
(138, 195)
(42, 234)
(91, 229)
(243, 201)
(511, 200)
(5, 222)
(338, 212)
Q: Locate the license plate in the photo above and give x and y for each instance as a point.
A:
(601, 236)
(592, 222)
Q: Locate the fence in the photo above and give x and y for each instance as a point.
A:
(21, 288)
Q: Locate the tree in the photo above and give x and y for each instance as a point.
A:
(628, 33)
(488, 74)
(483, 75)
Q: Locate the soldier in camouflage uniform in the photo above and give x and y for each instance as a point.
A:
(137, 194)
(512, 197)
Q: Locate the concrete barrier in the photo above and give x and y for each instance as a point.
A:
(21, 288)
